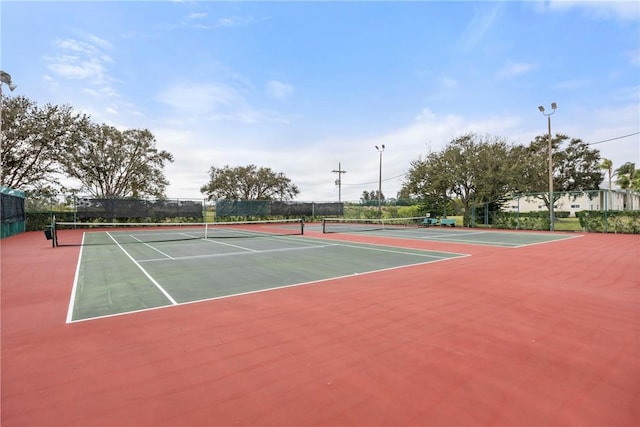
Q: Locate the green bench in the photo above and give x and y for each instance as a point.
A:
(429, 221)
(448, 221)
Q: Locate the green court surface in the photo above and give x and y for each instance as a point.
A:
(445, 234)
(115, 276)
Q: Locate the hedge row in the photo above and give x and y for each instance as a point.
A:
(592, 221)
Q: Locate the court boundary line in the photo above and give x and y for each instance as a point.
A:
(72, 299)
(567, 237)
(312, 282)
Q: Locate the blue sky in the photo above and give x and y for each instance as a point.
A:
(300, 87)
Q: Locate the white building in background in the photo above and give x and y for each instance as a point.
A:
(603, 199)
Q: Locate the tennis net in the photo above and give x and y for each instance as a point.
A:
(349, 225)
(97, 233)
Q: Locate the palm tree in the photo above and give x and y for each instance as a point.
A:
(627, 174)
(607, 165)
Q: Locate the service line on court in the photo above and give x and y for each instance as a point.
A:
(252, 252)
(151, 247)
(229, 244)
(156, 284)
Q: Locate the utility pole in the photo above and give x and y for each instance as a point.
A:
(339, 180)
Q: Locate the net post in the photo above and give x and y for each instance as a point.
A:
(324, 229)
(302, 226)
(54, 235)
(206, 230)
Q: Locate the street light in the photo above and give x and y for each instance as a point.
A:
(551, 216)
(380, 150)
(6, 78)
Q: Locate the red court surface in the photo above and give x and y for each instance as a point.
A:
(544, 335)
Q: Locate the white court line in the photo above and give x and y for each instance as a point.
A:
(229, 244)
(404, 252)
(380, 247)
(253, 252)
(196, 239)
(368, 247)
(457, 234)
(75, 282)
(149, 246)
(157, 285)
(507, 245)
(565, 237)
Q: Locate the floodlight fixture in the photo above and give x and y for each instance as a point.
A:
(6, 79)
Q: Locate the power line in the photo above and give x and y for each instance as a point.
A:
(613, 139)
(375, 182)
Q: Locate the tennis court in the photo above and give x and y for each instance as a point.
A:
(412, 228)
(130, 268)
(543, 334)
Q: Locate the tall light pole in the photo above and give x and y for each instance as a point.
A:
(551, 216)
(380, 150)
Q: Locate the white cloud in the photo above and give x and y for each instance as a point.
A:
(572, 84)
(197, 15)
(279, 90)
(226, 22)
(85, 60)
(515, 69)
(202, 98)
(238, 21)
(622, 10)
(448, 82)
(72, 67)
(217, 102)
(480, 24)
(634, 57)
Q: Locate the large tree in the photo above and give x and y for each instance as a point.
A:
(576, 167)
(471, 168)
(113, 163)
(33, 139)
(248, 183)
